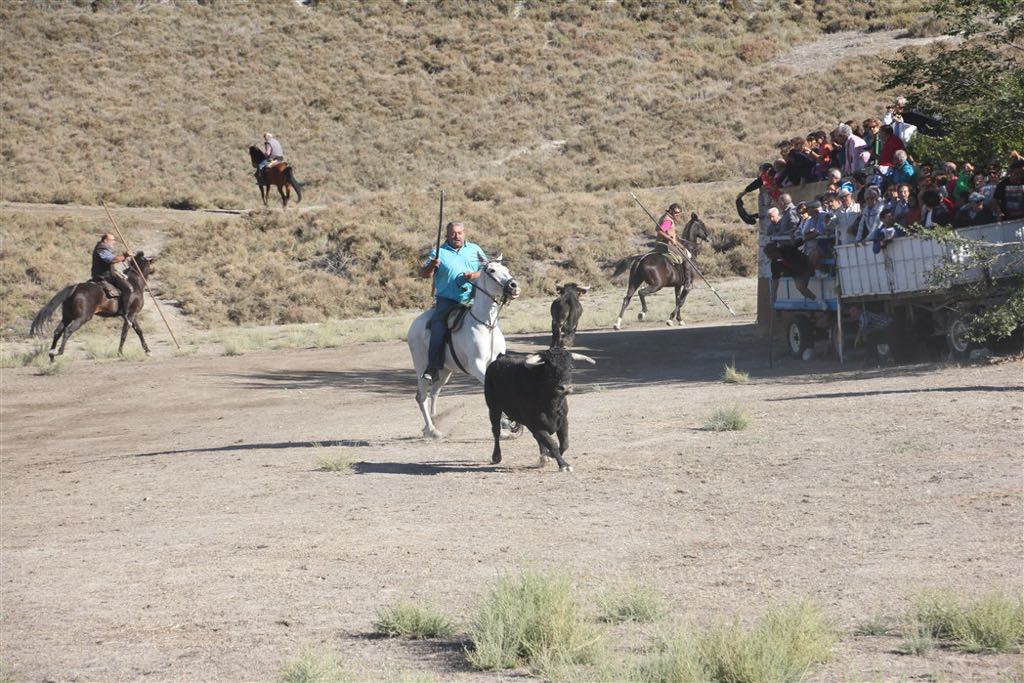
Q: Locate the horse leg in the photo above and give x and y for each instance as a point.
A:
(422, 389)
(284, 200)
(644, 291)
(435, 390)
(625, 304)
(124, 335)
(68, 331)
(680, 300)
(138, 330)
(56, 335)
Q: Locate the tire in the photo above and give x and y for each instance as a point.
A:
(799, 336)
(957, 343)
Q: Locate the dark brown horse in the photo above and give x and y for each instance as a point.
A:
(655, 270)
(279, 174)
(79, 303)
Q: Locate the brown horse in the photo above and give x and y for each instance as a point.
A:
(79, 303)
(279, 174)
(655, 270)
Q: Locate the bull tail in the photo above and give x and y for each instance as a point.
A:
(44, 315)
(296, 185)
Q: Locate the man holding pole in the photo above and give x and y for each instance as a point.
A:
(453, 266)
(107, 267)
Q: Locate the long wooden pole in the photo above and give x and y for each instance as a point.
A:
(139, 271)
(692, 264)
(437, 247)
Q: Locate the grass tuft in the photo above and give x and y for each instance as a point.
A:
(20, 358)
(44, 367)
(918, 640)
(782, 646)
(411, 621)
(727, 420)
(991, 623)
(874, 626)
(532, 620)
(631, 601)
(341, 462)
(670, 659)
(731, 375)
(314, 667)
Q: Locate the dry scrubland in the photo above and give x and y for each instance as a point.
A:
(494, 99)
(535, 118)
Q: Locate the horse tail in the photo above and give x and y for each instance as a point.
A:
(624, 264)
(44, 315)
(295, 184)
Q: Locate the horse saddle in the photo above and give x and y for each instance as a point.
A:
(672, 253)
(109, 290)
(455, 318)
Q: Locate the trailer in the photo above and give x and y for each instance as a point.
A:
(918, 291)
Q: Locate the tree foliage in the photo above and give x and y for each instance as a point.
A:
(976, 86)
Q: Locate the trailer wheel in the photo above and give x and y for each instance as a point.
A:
(957, 342)
(799, 336)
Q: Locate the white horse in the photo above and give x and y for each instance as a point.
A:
(477, 342)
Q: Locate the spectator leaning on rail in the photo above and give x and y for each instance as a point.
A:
(974, 212)
(902, 206)
(1009, 193)
(886, 231)
(871, 214)
(784, 256)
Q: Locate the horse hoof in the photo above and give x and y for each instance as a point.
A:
(641, 316)
(53, 354)
(495, 459)
(565, 468)
(670, 323)
(432, 433)
(617, 326)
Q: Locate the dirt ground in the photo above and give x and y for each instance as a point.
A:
(165, 519)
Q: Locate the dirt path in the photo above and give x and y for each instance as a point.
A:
(833, 48)
(192, 538)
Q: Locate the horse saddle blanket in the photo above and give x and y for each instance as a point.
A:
(673, 253)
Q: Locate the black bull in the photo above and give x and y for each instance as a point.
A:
(532, 389)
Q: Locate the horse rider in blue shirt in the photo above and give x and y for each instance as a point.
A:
(454, 267)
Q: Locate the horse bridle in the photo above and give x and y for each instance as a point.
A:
(505, 296)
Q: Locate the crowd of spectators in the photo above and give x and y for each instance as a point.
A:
(874, 191)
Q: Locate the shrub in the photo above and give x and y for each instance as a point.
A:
(337, 463)
(531, 619)
(727, 420)
(875, 626)
(991, 623)
(314, 667)
(630, 601)
(781, 647)
(412, 621)
(730, 375)
(918, 640)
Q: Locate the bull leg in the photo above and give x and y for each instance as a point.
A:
(56, 336)
(138, 330)
(496, 432)
(547, 442)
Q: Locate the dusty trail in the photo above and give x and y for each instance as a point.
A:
(191, 537)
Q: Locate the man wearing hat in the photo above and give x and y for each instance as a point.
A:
(847, 215)
(974, 212)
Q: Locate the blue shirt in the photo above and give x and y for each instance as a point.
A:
(448, 280)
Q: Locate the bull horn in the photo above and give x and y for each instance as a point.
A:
(585, 359)
(583, 290)
(533, 360)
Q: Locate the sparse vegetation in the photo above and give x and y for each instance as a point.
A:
(873, 626)
(412, 621)
(337, 461)
(991, 623)
(917, 640)
(727, 420)
(730, 375)
(44, 366)
(19, 358)
(532, 620)
(315, 667)
(631, 601)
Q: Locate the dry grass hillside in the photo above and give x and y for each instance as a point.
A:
(536, 118)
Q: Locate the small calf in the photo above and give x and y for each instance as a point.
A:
(565, 314)
(532, 389)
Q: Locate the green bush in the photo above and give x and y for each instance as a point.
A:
(533, 620)
(631, 601)
(727, 420)
(411, 621)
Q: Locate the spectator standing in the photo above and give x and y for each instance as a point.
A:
(903, 192)
(855, 153)
(890, 143)
(847, 216)
(871, 214)
(933, 211)
(1009, 193)
(902, 171)
(872, 139)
